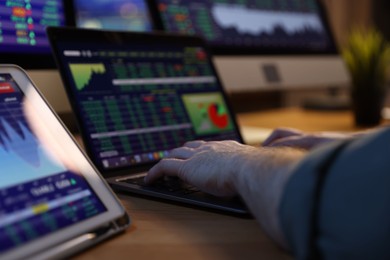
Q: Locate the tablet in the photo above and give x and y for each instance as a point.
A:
(53, 201)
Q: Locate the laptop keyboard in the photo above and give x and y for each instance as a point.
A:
(167, 184)
(175, 189)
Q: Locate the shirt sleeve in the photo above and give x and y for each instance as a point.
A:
(336, 205)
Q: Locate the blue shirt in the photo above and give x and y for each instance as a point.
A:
(337, 203)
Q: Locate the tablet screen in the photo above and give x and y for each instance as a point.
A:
(38, 194)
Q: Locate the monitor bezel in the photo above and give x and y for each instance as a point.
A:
(261, 50)
(38, 61)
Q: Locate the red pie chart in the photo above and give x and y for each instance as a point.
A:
(218, 116)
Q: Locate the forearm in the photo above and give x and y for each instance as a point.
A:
(261, 182)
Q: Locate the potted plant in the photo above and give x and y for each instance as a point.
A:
(367, 55)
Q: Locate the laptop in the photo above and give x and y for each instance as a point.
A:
(137, 96)
(51, 206)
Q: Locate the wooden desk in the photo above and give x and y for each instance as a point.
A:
(165, 231)
(306, 120)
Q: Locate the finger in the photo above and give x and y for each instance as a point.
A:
(166, 167)
(194, 144)
(280, 133)
(181, 153)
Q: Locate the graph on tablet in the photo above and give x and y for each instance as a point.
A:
(38, 195)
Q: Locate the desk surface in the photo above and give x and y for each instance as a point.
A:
(166, 231)
(307, 120)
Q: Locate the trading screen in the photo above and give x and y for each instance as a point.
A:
(138, 102)
(248, 23)
(124, 15)
(23, 23)
(38, 195)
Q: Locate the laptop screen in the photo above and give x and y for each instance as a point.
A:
(138, 98)
(38, 195)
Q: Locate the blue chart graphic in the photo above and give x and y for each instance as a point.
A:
(22, 157)
(15, 138)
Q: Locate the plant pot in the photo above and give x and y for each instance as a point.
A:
(367, 105)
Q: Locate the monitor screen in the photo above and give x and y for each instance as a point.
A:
(113, 14)
(23, 38)
(253, 26)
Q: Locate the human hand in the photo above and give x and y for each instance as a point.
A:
(210, 166)
(227, 168)
(298, 139)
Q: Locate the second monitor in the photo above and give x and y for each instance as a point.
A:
(261, 45)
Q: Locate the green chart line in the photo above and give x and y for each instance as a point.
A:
(82, 73)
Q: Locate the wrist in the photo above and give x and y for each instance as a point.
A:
(243, 164)
(261, 182)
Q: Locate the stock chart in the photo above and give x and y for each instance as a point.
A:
(23, 23)
(137, 105)
(247, 22)
(38, 195)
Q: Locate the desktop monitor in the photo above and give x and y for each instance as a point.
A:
(260, 44)
(23, 42)
(126, 15)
